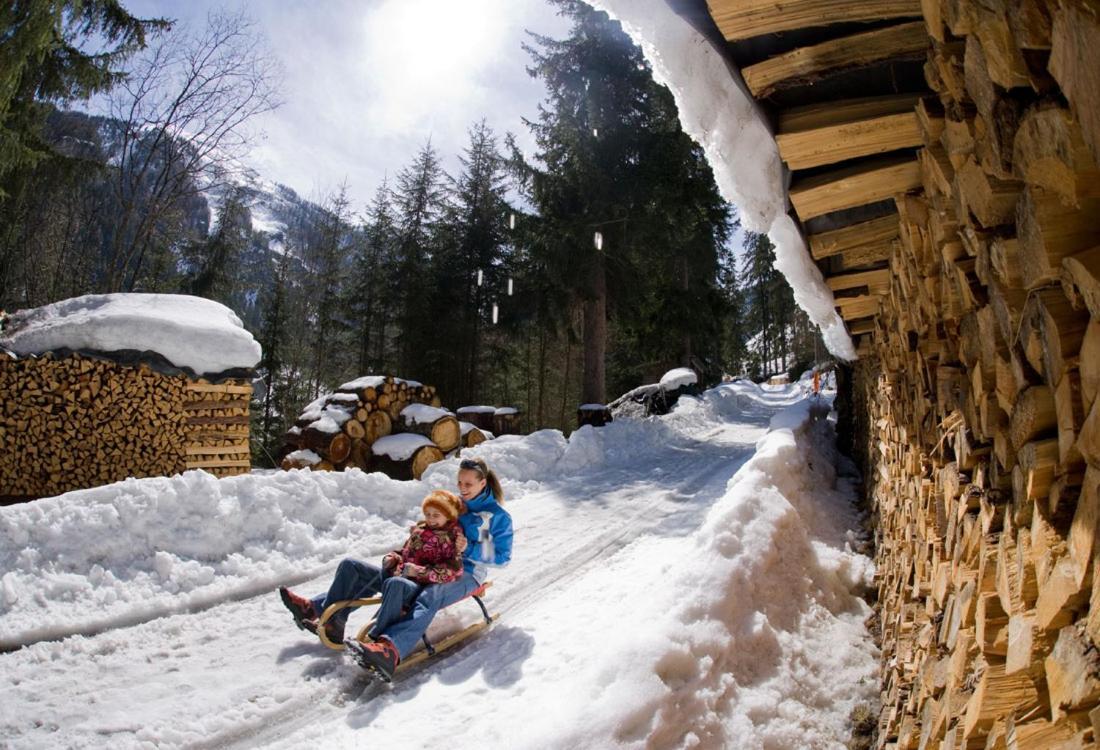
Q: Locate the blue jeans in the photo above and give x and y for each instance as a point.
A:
(405, 633)
(357, 580)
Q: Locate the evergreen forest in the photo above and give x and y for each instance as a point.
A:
(538, 280)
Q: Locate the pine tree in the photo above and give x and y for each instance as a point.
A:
(368, 300)
(471, 247)
(43, 59)
(213, 259)
(618, 164)
(324, 257)
(417, 199)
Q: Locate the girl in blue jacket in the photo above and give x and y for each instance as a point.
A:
(488, 529)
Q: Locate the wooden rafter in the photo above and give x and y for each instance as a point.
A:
(744, 19)
(904, 41)
(875, 235)
(877, 281)
(837, 131)
(855, 186)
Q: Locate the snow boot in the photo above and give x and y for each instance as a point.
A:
(301, 609)
(379, 658)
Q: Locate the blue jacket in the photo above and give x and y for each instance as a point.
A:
(488, 529)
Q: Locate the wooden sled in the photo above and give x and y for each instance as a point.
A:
(421, 654)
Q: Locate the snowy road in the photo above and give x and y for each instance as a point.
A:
(624, 578)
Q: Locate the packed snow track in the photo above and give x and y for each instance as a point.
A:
(688, 580)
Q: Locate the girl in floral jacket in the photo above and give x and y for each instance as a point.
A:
(432, 554)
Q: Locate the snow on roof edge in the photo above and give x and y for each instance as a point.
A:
(718, 113)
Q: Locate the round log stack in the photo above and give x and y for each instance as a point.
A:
(348, 429)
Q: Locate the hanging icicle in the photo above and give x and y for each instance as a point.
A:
(509, 286)
(496, 313)
(595, 132)
(480, 277)
(511, 221)
(597, 240)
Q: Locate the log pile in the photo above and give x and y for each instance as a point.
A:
(73, 422)
(350, 429)
(980, 386)
(498, 420)
(216, 427)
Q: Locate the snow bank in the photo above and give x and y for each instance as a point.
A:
(190, 332)
(718, 112)
(754, 636)
(143, 548)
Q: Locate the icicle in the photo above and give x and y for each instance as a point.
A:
(509, 286)
(595, 132)
(496, 313)
(480, 277)
(511, 221)
(598, 241)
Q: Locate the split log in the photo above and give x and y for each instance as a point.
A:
(1072, 673)
(1050, 231)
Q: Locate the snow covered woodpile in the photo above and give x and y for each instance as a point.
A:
(645, 400)
(353, 427)
(499, 420)
(104, 387)
(941, 159)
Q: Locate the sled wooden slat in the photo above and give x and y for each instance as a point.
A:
(448, 642)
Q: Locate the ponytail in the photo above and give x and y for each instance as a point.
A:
(494, 485)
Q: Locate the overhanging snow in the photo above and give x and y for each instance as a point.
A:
(721, 116)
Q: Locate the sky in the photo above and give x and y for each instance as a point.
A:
(366, 82)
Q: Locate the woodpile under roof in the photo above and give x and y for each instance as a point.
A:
(943, 167)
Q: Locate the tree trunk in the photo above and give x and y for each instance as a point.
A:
(593, 390)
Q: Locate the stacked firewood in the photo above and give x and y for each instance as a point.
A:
(984, 421)
(74, 422)
(217, 427)
(376, 423)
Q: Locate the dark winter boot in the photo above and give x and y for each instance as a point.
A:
(334, 630)
(301, 609)
(379, 658)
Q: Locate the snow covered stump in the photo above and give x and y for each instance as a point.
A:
(104, 387)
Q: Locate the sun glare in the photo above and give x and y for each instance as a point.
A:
(421, 54)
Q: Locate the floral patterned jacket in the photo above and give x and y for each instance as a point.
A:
(435, 550)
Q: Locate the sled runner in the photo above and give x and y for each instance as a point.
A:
(421, 654)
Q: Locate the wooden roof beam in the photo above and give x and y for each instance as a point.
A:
(744, 19)
(807, 64)
(837, 131)
(877, 281)
(855, 186)
(862, 306)
(866, 238)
